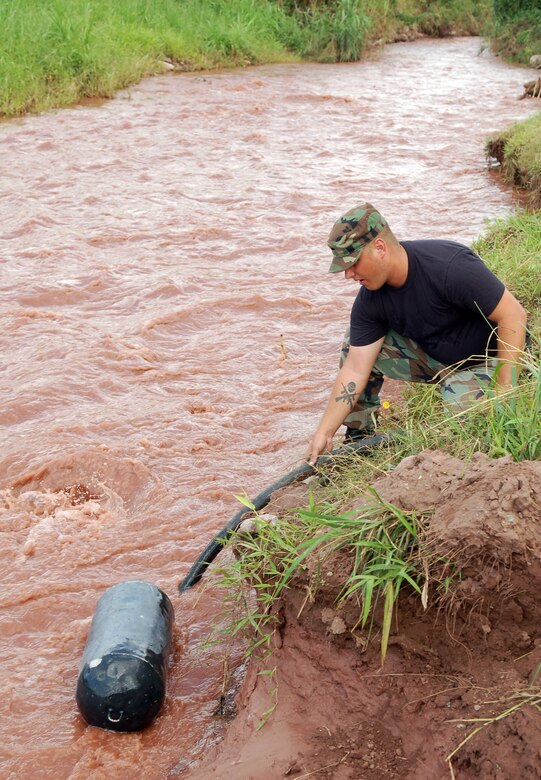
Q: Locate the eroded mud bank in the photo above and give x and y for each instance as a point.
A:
(340, 716)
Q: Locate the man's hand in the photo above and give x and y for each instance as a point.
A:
(350, 382)
(322, 442)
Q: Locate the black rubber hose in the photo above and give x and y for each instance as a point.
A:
(262, 499)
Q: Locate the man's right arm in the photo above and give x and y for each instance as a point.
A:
(350, 382)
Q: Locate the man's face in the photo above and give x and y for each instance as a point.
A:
(369, 270)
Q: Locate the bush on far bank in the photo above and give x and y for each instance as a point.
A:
(516, 29)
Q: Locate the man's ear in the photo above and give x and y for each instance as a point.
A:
(380, 245)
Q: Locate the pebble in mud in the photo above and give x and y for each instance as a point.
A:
(327, 615)
(338, 626)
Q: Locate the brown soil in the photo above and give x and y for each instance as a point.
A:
(340, 716)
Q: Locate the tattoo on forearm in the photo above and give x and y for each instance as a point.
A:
(348, 394)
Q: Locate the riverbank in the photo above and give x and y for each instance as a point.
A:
(518, 150)
(516, 30)
(55, 53)
(458, 694)
(389, 606)
(412, 649)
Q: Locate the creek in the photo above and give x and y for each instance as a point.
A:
(170, 334)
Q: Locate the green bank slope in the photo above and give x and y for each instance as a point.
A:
(55, 52)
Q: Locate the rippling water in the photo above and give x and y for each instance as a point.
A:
(170, 334)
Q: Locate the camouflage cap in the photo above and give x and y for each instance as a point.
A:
(351, 233)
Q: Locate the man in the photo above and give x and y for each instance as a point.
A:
(427, 311)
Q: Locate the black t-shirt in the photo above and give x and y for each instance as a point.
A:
(443, 305)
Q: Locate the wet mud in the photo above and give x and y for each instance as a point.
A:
(471, 655)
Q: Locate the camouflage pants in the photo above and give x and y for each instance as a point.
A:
(403, 358)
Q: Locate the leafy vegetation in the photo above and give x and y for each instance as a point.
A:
(516, 29)
(55, 52)
(387, 547)
(518, 149)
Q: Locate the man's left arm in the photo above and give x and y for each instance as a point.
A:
(510, 319)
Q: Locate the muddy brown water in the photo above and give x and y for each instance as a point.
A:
(169, 334)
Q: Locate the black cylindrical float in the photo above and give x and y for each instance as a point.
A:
(121, 684)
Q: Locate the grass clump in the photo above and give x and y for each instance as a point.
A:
(385, 544)
(516, 34)
(518, 149)
(497, 426)
(511, 248)
(251, 581)
(440, 18)
(387, 549)
(334, 33)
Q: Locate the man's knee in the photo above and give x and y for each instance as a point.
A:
(461, 393)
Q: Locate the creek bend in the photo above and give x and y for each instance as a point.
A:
(170, 335)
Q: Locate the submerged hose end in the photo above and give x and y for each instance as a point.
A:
(188, 582)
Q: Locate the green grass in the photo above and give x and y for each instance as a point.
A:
(336, 33)
(506, 425)
(387, 552)
(518, 37)
(387, 548)
(511, 248)
(55, 52)
(518, 149)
